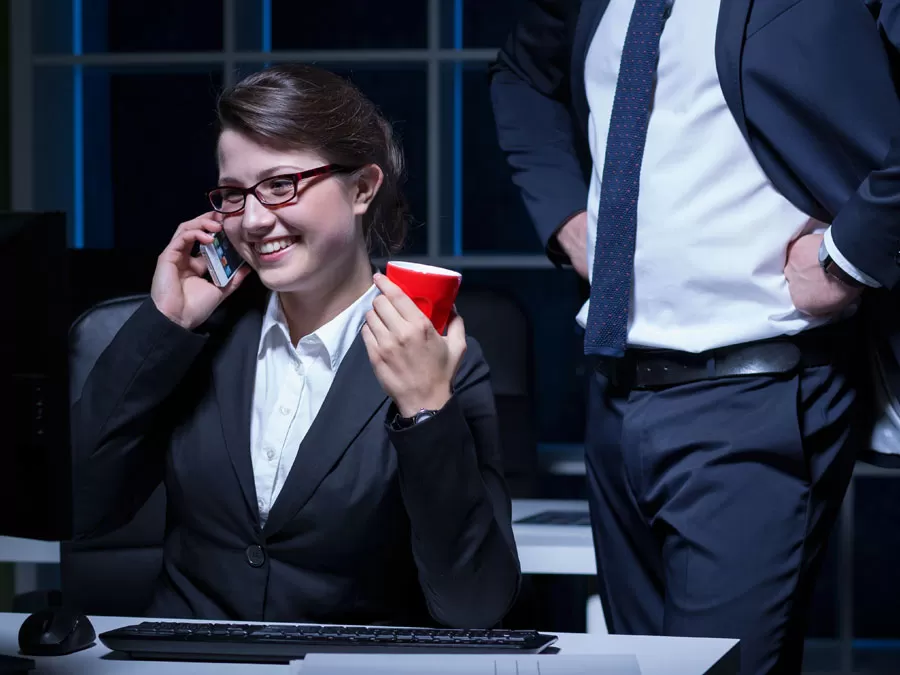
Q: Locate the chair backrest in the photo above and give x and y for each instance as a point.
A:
(504, 332)
(114, 574)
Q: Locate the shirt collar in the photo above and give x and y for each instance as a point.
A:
(336, 336)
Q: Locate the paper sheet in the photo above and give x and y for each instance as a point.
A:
(470, 664)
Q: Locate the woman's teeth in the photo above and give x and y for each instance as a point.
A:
(275, 245)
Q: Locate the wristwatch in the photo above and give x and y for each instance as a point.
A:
(400, 423)
(834, 270)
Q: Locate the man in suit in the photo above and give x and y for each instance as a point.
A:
(742, 199)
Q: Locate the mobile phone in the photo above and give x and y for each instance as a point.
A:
(222, 259)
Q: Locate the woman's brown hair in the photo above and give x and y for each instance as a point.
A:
(306, 108)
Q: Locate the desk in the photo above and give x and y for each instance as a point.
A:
(18, 550)
(558, 549)
(26, 554)
(553, 549)
(656, 655)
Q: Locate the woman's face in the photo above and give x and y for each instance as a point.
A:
(296, 245)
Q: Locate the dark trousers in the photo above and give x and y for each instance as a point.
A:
(712, 502)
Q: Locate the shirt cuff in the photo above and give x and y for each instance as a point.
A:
(845, 264)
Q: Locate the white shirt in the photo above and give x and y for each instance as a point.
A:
(291, 385)
(712, 231)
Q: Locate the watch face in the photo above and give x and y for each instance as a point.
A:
(823, 253)
(423, 415)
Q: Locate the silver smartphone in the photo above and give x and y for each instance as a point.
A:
(222, 260)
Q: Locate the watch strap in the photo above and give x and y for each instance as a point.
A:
(399, 423)
(835, 271)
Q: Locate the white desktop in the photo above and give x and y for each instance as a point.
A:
(654, 655)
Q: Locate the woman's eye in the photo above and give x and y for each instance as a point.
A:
(281, 186)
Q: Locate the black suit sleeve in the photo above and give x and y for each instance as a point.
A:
(867, 230)
(529, 91)
(118, 445)
(458, 505)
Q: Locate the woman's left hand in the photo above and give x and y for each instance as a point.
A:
(414, 364)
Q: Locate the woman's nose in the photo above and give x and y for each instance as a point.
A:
(256, 216)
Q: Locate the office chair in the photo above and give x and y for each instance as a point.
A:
(113, 574)
(503, 330)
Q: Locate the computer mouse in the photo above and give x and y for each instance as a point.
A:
(55, 631)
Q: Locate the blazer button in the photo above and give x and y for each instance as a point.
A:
(897, 258)
(256, 556)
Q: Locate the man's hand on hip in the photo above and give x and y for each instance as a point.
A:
(572, 238)
(814, 292)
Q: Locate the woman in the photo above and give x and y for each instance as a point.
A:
(304, 481)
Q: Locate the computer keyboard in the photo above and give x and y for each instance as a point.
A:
(280, 643)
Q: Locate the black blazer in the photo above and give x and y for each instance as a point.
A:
(809, 83)
(372, 526)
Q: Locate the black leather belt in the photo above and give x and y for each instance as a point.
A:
(660, 368)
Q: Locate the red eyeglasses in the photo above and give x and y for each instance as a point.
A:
(270, 191)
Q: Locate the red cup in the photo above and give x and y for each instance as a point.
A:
(433, 289)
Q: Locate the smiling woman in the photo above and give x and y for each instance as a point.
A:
(284, 410)
(308, 143)
(310, 110)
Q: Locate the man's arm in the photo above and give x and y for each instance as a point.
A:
(529, 90)
(864, 239)
(866, 232)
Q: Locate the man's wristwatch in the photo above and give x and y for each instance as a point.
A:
(834, 270)
(400, 423)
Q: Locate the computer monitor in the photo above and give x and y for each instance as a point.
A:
(35, 456)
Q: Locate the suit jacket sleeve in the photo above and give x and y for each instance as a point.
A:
(458, 505)
(118, 445)
(529, 91)
(867, 230)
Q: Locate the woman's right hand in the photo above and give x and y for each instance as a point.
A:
(179, 289)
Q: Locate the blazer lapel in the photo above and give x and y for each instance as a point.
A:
(588, 19)
(234, 375)
(354, 397)
(733, 16)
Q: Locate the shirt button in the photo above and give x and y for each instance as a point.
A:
(270, 453)
(298, 367)
(256, 556)
(285, 410)
(260, 504)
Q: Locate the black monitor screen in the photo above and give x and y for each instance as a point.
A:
(35, 459)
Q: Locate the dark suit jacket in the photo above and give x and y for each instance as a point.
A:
(372, 526)
(809, 83)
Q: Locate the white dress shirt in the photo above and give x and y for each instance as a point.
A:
(712, 231)
(291, 385)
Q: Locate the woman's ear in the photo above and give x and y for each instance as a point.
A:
(366, 185)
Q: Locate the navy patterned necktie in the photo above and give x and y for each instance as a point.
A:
(607, 323)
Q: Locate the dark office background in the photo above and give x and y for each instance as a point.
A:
(123, 100)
